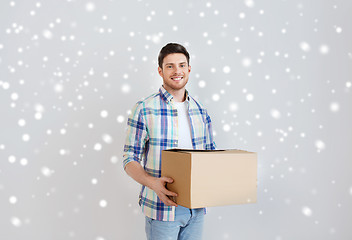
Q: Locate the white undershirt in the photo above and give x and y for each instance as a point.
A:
(184, 125)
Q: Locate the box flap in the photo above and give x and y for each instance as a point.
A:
(219, 151)
(191, 150)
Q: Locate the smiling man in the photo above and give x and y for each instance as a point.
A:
(170, 118)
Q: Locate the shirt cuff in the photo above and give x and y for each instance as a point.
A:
(128, 160)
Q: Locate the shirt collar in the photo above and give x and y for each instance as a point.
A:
(167, 97)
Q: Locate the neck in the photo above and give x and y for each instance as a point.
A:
(179, 95)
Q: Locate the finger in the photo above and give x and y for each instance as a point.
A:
(169, 193)
(167, 201)
(167, 179)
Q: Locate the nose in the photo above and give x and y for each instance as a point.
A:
(178, 70)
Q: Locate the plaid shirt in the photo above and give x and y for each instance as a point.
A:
(151, 128)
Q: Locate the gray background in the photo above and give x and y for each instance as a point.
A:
(274, 75)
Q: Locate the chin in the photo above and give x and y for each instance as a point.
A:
(179, 85)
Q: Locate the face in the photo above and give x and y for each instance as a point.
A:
(175, 72)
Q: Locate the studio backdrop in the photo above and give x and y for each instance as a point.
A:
(275, 76)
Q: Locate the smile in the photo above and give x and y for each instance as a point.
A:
(177, 78)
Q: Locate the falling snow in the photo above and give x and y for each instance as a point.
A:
(320, 145)
(103, 203)
(226, 69)
(275, 78)
(47, 172)
(104, 114)
(202, 84)
(13, 200)
(307, 211)
(233, 107)
(305, 46)
(97, 147)
(334, 107)
(16, 222)
(275, 113)
(324, 49)
(107, 138)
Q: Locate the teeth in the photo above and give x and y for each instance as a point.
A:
(177, 78)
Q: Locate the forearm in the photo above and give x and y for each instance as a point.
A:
(136, 171)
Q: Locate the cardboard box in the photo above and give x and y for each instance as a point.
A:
(205, 178)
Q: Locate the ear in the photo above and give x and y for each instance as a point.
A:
(189, 68)
(160, 70)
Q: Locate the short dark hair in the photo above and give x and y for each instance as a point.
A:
(169, 49)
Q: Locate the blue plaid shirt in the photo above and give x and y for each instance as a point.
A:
(151, 128)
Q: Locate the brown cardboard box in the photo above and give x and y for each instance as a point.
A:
(205, 178)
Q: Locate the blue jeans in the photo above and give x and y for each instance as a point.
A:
(188, 225)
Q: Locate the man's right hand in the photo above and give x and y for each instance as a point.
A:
(158, 186)
(136, 171)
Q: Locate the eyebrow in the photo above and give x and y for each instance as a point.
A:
(173, 64)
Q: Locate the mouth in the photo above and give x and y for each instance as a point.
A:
(177, 78)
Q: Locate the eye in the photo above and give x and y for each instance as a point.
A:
(169, 66)
(183, 65)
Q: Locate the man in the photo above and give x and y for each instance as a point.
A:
(168, 119)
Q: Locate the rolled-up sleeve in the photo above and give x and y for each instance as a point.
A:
(210, 142)
(136, 136)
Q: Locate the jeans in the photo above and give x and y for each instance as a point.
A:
(188, 225)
